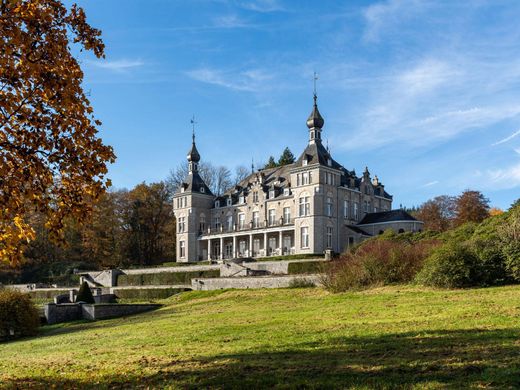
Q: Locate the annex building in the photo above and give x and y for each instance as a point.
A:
(308, 207)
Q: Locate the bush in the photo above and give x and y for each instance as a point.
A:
(164, 278)
(453, 265)
(84, 294)
(18, 315)
(378, 262)
(301, 283)
(305, 267)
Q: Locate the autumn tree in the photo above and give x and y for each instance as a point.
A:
(51, 159)
(286, 157)
(471, 206)
(437, 213)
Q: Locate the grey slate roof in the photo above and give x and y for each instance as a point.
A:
(358, 230)
(386, 216)
(194, 183)
(315, 153)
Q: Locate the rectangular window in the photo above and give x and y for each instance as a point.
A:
(329, 206)
(304, 237)
(298, 179)
(272, 217)
(217, 222)
(286, 215)
(345, 209)
(229, 223)
(256, 219)
(329, 237)
(182, 225)
(305, 178)
(356, 211)
(229, 202)
(202, 223)
(241, 199)
(182, 249)
(255, 197)
(304, 208)
(241, 221)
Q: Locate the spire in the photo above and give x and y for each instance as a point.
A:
(315, 121)
(193, 156)
(252, 165)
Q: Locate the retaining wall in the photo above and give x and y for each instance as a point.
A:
(250, 282)
(67, 312)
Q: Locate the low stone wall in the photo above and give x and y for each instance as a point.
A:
(103, 311)
(251, 282)
(67, 312)
(64, 312)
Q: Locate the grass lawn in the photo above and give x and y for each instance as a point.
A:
(288, 338)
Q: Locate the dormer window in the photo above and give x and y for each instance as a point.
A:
(202, 190)
(304, 162)
(182, 189)
(286, 192)
(271, 194)
(217, 203)
(228, 202)
(329, 162)
(241, 199)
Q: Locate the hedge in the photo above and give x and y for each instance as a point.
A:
(147, 293)
(291, 257)
(306, 267)
(164, 278)
(47, 294)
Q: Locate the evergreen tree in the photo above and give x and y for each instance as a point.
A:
(84, 294)
(286, 157)
(271, 163)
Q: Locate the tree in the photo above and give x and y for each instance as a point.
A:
(437, 213)
(286, 157)
(51, 159)
(241, 173)
(218, 179)
(270, 163)
(493, 211)
(471, 206)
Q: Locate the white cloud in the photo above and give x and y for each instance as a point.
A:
(426, 76)
(507, 139)
(117, 65)
(517, 150)
(505, 178)
(249, 80)
(432, 183)
(230, 21)
(383, 15)
(261, 5)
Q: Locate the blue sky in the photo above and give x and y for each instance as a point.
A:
(426, 93)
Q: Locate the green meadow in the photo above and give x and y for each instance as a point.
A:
(392, 337)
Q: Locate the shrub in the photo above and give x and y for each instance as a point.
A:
(301, 283)
(164, 278)
(18, 315)
(453, 265)
(84, 294)
(378, 262)
(305, 267)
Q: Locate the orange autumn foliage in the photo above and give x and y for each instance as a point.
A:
(51, 159)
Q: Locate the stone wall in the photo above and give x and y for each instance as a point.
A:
(250, 282)
(64, 312)
(67, 312)
(186, 268)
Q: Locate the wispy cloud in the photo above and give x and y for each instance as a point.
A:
(507, 139)
(505, 178)
(381, 16)
(122, 65)
(230, 21)
(248, 80)
(261, 5)
(431, 183)
(517, 150)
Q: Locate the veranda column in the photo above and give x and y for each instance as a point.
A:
(209, 249)
(265, 244)
(250, 245)
(235, 247)
(280, 236)
(221, 256)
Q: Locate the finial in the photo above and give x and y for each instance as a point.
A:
(328, 150)
(252, 165)
(314, 80)
(193, 128)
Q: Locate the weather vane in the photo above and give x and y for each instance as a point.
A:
(314, 79)
(193, 127)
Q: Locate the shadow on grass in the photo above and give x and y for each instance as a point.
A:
(445, 359)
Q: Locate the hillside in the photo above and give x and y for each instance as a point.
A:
(394, 336)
